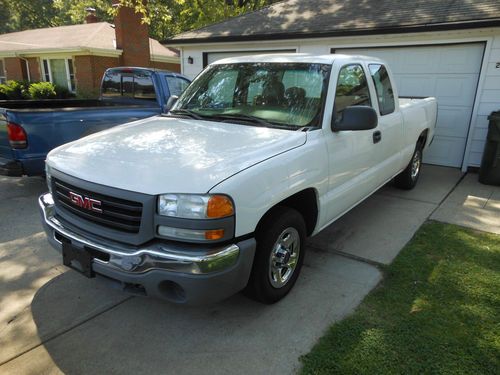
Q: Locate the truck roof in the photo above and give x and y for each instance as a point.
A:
(296, 58)
(135, 68)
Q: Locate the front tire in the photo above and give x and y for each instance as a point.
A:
(407, 179)
(279, 256)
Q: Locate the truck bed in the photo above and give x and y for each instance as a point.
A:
(68, 104)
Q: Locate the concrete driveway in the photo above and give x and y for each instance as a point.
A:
(53, 320)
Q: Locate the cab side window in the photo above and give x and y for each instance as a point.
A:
(352, 89)
(383, 86)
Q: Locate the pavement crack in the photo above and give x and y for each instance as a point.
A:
(350, 256)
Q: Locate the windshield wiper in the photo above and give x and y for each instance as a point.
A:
(239, 116)
(253, 119)
(187, 112)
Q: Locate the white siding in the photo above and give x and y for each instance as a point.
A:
(487, 99)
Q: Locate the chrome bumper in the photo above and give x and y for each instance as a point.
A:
(136, 260)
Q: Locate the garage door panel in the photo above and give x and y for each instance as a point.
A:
(415, 85)
(455, 89)
(449, 59)
(448, 72)
(447, 151)
(461, 59)
(453, 121)
(418, 60)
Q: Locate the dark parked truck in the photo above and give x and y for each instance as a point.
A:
(29, 129)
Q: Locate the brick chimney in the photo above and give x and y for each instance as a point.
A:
(91, 17)
(132, 36)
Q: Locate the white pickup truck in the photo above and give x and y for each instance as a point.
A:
(220, 195)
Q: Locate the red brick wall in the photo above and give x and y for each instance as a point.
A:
(89, 71)
(132, 37)
(167, 66)
(15, 68)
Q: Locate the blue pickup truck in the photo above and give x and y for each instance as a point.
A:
(29, 129)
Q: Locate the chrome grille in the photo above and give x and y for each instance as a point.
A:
(117, 213)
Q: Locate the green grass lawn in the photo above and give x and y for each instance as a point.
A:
(436, 312)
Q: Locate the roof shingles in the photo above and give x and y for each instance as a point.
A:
(97, 36)
(303, 17)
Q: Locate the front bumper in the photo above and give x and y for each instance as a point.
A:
(191, 274)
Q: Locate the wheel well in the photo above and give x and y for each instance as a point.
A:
(305, 202)
(422, 138)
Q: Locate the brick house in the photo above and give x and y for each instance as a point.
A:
(76, 56)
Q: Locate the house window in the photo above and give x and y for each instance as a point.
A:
(2, 72)
(60, 72)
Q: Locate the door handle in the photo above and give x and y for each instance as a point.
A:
(377, 136)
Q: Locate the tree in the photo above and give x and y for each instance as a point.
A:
(165, 18)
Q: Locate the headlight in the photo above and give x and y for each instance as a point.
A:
(48, 177)
(191, 206)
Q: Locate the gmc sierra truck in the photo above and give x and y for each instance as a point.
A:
(220, 194)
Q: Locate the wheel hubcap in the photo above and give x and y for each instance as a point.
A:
(284, 257)
(415, 165)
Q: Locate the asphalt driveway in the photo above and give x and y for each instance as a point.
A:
(53, 320)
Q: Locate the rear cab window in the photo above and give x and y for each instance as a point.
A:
(134, 85)
(352, 89)
(383, 87)
(176, 85)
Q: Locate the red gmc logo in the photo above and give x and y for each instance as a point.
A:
(85, 202)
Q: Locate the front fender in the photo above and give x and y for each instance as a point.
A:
(261, 187)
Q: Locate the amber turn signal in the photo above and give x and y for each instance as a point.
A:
(219, 206)
(214, 234)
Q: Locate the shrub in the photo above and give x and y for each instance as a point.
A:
(14, 90)
(42, 90)
(63, 92)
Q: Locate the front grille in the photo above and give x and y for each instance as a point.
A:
(117, 213)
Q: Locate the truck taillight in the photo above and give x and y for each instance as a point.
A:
(17, 136)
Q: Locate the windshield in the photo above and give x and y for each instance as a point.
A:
(288, 95)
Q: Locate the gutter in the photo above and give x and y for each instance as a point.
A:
(61, 51)
(403, 29)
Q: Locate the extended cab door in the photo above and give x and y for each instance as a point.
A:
(390, 122)
(353, 155)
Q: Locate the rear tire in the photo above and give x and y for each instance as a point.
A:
(407, 179)
(279, 256)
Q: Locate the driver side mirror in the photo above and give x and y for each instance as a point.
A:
(170, 102)
(360, 117)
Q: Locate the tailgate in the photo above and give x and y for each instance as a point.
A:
(5, 149)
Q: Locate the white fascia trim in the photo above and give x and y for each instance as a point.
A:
(165, 59)
(64, 51)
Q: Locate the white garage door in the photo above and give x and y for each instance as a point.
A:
(448, 72)
(214, 56)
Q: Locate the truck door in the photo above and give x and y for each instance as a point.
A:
(390, 123)
(352, 155)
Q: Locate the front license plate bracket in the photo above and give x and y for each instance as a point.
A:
(78, 259)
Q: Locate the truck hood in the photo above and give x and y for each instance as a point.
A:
(170, 155)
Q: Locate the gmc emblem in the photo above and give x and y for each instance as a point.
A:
(85, 202)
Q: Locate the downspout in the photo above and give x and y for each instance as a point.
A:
(27, 66)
